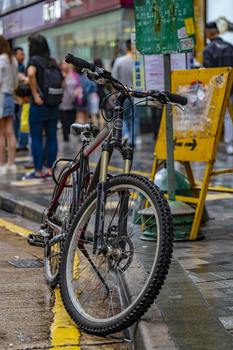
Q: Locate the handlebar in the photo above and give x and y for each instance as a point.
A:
(100, 75)
(174, 98)
(79, 62)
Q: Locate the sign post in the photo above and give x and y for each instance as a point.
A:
(169, 130)
(165, 27)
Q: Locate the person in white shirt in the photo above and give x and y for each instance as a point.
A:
(123, 71)
(8, 84)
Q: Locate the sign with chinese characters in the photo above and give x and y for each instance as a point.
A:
(164, 26)
(52, 11)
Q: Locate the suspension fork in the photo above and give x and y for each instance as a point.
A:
(107, 149)
(127, 154)
(124, 195)
(81, 178)
(101, 197)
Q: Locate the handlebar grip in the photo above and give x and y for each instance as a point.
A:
(182, 100)
(79, 62)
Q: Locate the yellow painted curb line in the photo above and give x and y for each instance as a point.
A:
(64, 333)
(215, 196)
(15, 228)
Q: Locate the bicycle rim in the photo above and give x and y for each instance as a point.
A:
(107, 292)
(62, 218)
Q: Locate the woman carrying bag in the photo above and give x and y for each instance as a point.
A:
(46, 83)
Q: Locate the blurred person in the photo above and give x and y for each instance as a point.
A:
(71, 92)
(123, 71)
(219, 53)
(118, 53)
(46, 82)
(101, 92)
(8, 84)
(93, 102)
(81, 107)
(87, 105)
(21, 137)
(19, 55)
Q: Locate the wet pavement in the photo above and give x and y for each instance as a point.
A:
(31, 314)
(194, 310)
(25, 301)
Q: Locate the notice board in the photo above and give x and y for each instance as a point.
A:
(148, 70)
(163, 27)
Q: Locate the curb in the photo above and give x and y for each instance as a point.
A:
(24, 208)
(152, 333)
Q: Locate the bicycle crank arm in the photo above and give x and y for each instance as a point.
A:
(56, 239)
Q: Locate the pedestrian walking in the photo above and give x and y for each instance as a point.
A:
(219, 53)
(21, 137)
(70, 98)
(8, 84)
(46, 82)
(123, 71)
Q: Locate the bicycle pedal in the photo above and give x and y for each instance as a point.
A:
(43, 233)
(37, 240)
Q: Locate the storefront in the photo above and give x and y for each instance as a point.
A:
(86, 28)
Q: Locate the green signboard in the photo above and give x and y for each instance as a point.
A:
(164, 26)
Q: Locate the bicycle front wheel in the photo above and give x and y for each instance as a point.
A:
(108, 291)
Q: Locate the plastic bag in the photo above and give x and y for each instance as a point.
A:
(24, 122)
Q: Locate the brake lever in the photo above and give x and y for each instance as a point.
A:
(94, 76)
(177, 105)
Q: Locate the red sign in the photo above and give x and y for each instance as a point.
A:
(127, 3)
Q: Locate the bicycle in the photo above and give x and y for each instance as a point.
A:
(107, 278)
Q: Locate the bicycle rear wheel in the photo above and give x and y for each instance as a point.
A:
(62, 218)
(108, 291)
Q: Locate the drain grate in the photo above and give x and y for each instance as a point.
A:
(29, 263)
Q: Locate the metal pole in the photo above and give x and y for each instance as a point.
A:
(169, 130)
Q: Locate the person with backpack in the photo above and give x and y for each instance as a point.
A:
(46, 83)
